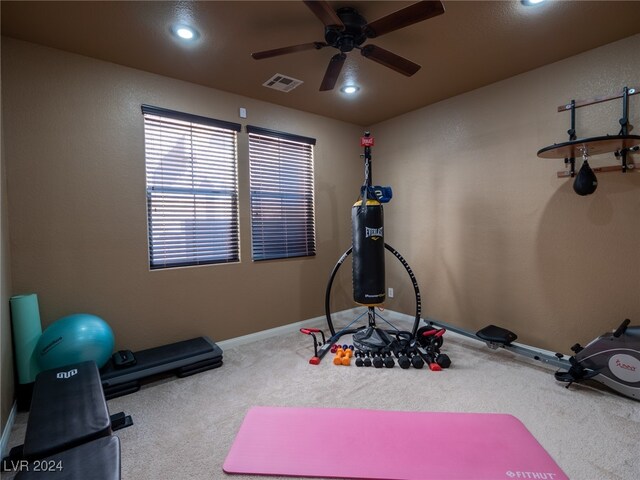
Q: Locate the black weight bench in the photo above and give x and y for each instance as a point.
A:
(96, 460)
(68, 409)
(69, 422)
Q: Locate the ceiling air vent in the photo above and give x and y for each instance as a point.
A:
(282, 83)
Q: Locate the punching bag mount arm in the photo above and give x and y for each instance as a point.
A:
(592, 101)
(367, 142)
(621, 144)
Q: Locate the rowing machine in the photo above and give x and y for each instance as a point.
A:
(612, 359)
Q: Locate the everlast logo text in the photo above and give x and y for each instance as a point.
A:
(374, 233)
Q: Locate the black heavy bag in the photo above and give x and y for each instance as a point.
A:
(368, 252)
(586, 181)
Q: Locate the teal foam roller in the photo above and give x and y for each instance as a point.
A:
(25, 322)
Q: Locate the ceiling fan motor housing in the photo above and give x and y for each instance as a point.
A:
(353, 34)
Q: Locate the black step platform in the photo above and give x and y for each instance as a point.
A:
(96, 460)
(68, 408)
(181, 358)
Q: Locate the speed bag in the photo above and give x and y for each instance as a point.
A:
(367, 226)
(586, 181)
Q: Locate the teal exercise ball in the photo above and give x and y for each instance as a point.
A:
(75, 338)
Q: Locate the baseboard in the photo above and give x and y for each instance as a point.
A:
(6, 431)
(272, 332)
(318, 322)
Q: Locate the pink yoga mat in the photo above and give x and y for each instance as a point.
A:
(376, 444)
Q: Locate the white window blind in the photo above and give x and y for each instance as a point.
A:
(282, 194)
(192, 188)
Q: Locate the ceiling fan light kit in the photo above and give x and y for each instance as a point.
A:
(346, 30)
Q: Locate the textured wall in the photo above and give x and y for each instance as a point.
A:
(76, 182)
(492, 234)
(6, 347)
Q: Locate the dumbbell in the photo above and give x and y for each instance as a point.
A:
(429, 358)
(367, 359)
(388, 360)
(416, 360)
(337, 360)
(359, 359)
(342, 358)
(403, 360)
(377, 361)
(443, 360)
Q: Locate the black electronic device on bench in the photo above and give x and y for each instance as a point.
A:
(124, 371)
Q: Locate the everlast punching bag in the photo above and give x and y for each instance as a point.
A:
(367, 224)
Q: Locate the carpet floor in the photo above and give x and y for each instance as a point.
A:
(184, 428)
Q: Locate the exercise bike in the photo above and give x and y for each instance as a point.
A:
(612, 359)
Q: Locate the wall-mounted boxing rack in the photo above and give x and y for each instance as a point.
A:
(621, 144)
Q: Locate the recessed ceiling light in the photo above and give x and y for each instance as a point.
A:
(530, 3)
(185, 32)
(349, 89)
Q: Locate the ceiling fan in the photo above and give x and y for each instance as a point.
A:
(345, 29)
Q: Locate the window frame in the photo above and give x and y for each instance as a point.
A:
(197, 158)
(301, 249)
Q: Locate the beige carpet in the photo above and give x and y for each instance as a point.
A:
(185, 427)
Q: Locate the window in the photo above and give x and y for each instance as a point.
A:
(282, 206)
(192, 189)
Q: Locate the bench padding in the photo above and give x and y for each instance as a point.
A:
(68, 408)
(96, 460)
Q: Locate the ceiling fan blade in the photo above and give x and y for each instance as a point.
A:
(333, 72)
(324, 12)
(391, 60)
(285, 50)
(404, 17)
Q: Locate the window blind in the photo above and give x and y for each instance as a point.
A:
(282, 194)
(192, 189)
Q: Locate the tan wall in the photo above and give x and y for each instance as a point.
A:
(76, 182)
(6, 347)
(492, 234)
